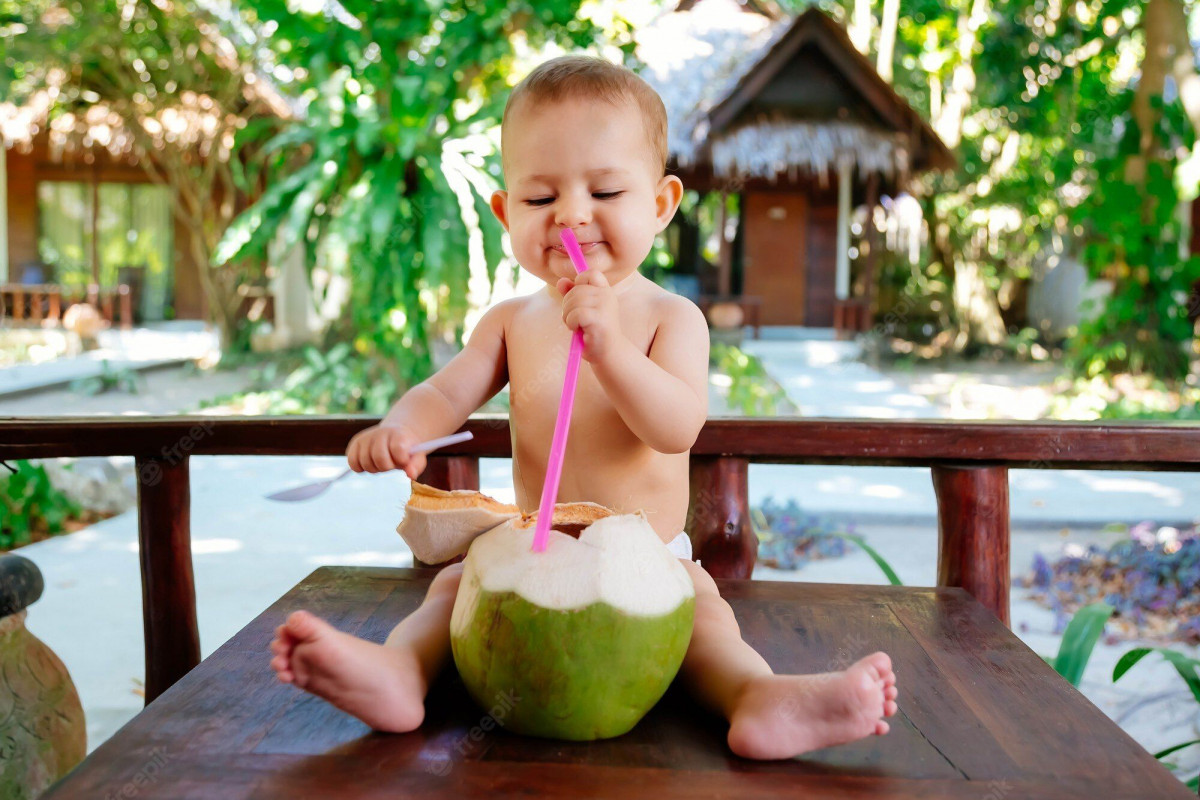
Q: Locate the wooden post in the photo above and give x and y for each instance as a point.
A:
(449, 473)
(56, 305)
(719, 517)
(126, 305)
(874, 245)
(973, 532)
(724, 252)
(168, 587)
(18, 305)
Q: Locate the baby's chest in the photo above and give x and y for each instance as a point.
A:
(537, 360)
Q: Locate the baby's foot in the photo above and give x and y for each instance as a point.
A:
(379, 685)
(780, 716)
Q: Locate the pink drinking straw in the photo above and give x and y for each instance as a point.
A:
(558, 445)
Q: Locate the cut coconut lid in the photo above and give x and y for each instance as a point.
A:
(618, 560)
(439, 525)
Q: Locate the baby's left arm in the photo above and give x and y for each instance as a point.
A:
(662, 396)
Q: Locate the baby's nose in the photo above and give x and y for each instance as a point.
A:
(573, 213)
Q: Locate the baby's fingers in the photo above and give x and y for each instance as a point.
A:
(380, 456)
(415, 466)
(355, 453)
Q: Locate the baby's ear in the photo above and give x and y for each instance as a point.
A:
(666, 200)
(500, 207)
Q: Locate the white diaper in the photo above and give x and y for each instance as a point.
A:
(681, 546)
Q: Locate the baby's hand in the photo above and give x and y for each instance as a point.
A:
(384, 447)
(590, 303)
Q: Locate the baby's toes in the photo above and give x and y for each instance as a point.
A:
(882, 664)
(890, 708)
(881, 728)
(890, 692)
(283, 669)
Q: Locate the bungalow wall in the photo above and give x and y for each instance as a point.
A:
(27, 170)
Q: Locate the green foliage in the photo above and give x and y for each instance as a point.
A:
(119, 378)
(1126, 397)
(875, 556)
(1079, 640)
(391, 168)
(751, 390)
(29, 503)
(333, 382)
(1187, 668)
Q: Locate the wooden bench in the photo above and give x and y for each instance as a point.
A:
(1007, 716)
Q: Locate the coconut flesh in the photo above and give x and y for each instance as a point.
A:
(576, 642)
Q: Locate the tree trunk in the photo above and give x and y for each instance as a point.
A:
(1155, 23)
(860, 26)
(976, 308)
(887, 38)
(953, 108)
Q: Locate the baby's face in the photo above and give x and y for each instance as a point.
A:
(585, 165)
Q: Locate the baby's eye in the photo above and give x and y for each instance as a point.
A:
(606, 195)
(539, 201)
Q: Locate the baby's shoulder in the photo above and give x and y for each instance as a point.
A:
(668, 308)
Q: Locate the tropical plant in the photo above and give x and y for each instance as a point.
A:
(387, 176)
(1079, 640)
(119, 378)
(1187, 668)
(30, 503)
(751, 390)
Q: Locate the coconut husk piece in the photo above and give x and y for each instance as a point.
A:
(439, 525)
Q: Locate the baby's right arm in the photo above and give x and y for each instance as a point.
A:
(440, 405)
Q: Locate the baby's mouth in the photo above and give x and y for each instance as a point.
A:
(586, 247)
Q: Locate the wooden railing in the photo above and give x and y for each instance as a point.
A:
(969, 464)
(45, 303)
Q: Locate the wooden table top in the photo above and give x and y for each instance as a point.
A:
(981, 717)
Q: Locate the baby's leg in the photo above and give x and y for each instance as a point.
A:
(383, 685)
(779, 716)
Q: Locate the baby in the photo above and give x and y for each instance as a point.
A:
(584, 146)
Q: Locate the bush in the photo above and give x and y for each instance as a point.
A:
(30, 505)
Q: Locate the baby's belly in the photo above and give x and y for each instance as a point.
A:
(656, 484)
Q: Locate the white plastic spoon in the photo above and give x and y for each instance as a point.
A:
(311, 490)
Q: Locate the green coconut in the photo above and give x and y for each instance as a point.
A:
(576, 642)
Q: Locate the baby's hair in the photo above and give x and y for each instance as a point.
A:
(587, 76)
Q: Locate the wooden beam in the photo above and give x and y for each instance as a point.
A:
(867, 442)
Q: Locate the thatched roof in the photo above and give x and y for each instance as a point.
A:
(710, 59)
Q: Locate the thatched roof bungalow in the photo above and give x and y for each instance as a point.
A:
(787, 114)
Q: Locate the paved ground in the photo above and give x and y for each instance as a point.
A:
(157, 345)
(91, 613)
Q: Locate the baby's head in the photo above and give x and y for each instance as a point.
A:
(584, 146)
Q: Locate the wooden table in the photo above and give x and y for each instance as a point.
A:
(981, 717)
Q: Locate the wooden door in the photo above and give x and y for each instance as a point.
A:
(821, 266)
(775, 255)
